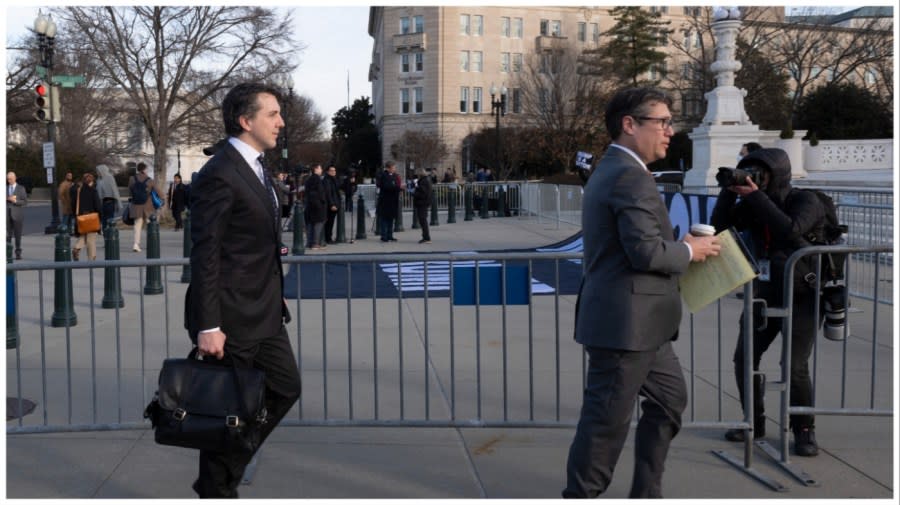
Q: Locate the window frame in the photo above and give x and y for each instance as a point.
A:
(419, 100)
(464, 99)
(477, 99)
(465, 24)
(404, 100)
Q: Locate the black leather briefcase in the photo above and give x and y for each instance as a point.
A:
(208, 405)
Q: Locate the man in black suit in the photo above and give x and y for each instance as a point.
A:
(628, 308)
(234, 303)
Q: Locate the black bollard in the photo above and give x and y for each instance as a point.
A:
(186, 247)
(63, 307)
(298, 247)
(154, 273)
(501, 202)
(434, 214)
(485, 203)
(469, 211)
(341, 236)
(451, 205)
(12, 320)
(360, 218)
(112, 276)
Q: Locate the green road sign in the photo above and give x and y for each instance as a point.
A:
(41, 71)
(68, 81)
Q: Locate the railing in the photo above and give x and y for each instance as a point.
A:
(381, 340)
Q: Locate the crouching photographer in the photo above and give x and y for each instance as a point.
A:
(778, 218)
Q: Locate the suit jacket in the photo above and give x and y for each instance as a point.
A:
(629, 290)
(236, 276)
(14, 210)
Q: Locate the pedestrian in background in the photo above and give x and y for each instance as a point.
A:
(85, 200)
(332, 201)
(177, 199)
(109, 195)
(65, 200)
(16, 198)
(348, 186)
(316, 208)
(141, 207)
(389, 186)
(421, 203)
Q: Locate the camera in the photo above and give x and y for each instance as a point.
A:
(738, 176)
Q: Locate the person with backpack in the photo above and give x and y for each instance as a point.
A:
(780, 219)
(141, 207)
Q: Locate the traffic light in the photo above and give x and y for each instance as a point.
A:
(42, 100)
(54, 104)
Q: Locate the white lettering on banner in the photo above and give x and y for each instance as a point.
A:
(412, 274)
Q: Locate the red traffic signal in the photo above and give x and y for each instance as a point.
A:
(42, 101)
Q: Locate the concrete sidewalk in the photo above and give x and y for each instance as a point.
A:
(856, 459)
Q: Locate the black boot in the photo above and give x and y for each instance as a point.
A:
(805, 441)
(759, 417)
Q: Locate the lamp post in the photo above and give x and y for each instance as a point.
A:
(45, 29)
(286, 82)
(498, 106)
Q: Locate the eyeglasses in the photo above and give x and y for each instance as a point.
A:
(664, 122)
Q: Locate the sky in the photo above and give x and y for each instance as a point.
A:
(337, 43)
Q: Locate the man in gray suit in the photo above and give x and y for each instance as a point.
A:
(629, 308)
(16, 198)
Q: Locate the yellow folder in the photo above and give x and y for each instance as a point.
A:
(706, 282)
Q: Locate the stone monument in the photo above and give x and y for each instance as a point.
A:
(726, 126)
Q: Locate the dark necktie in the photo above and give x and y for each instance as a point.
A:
(267, 182)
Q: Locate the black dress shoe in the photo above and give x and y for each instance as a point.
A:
(805, 442)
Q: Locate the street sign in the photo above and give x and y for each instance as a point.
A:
(50, 175)
(49, 156)
(68, 81)
(41, 71)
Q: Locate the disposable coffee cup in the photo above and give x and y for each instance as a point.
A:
(702, 230)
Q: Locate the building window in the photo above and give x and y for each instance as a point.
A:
(476, 100)
(504, 27)
(420, 106)
(685, 70)
(871, 77)
(420, 23)
(420, 62)
(595, 32)
(464, 61)
(404, 100)
(658, 71)
(463, 24)
(464, 99)
(517, 62)
(686, 43)
(404, 63)
(477, 61)
(404, 25)
(504, 62)
(659, 10)
(582, 32)
(545, 27)
(698, 40)
(517, 27)
(663, 38)
(556, 28)
(477, 25)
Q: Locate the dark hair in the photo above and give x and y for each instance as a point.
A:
(242, 100)
(752, 146)
(213, 149)
(141, 166)
(631, 102)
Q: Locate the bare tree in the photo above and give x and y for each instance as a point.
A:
(814, 52)
(423, 149)
(563, 101)
(173, 63)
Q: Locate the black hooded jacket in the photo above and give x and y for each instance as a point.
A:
(778, 217)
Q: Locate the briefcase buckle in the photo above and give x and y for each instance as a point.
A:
(179, 414)
(232, 421)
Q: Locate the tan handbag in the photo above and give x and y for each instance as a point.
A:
(87, 223)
